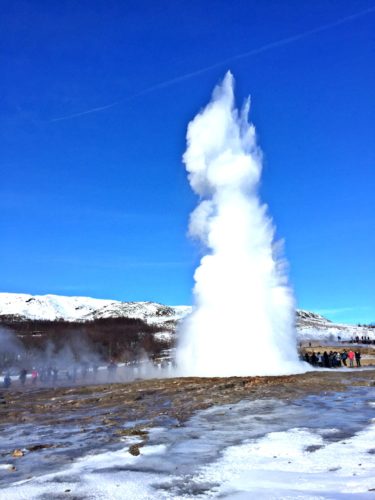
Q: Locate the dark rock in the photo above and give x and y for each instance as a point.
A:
(134, 449)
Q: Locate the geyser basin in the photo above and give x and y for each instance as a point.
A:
(243, 320)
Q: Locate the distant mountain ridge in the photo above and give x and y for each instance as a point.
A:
(24, 307)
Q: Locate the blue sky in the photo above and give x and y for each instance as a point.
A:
(97, 202)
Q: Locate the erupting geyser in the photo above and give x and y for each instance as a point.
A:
(243, 319)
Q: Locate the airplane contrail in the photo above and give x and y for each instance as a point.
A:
(258, 50)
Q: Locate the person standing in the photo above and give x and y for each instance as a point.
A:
(7, 380)
(112, 367)
(314, 359)
(338, 359)
(34, 376)
(358, 358)
(320, 359)
(351, 358)
(22, 377)
(344, 357)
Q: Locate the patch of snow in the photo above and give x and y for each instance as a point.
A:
(164, 336)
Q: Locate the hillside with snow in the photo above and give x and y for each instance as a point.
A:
(25, 307)
(314, 327)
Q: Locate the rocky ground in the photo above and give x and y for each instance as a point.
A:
(160, 438)
(117, 410)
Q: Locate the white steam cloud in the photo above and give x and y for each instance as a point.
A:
(243, 320)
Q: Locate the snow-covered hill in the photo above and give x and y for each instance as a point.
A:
(24, 307)
(312, 326)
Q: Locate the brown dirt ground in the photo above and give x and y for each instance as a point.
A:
(112, 405)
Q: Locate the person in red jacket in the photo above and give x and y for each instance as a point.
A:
(351, 358)
(34, 376)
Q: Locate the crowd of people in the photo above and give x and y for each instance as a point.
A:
(361, 340)
(52, 375)
(334, 359)
(85, 372)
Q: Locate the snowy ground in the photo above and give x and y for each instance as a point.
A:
(320, 446)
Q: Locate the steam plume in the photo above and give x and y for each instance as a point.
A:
(243, 321)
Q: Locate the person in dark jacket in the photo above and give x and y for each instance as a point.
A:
(314, 359)
(7, 380)
(22, 377)
(358, 358)
(344, 357)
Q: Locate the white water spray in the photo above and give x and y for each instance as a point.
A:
(243, 319)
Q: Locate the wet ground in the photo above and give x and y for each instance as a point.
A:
(189, 420)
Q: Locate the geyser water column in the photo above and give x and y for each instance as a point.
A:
(243, 319)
